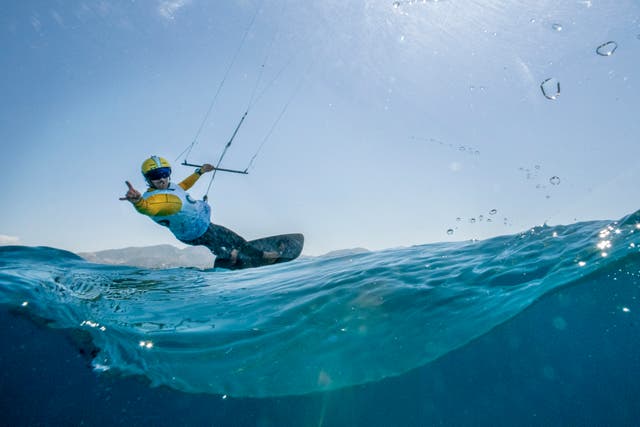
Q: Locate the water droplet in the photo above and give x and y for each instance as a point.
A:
(532, 20)
(493, 211)
(480, 218)
(450, 231)
(557, 27)
(607, 49)
(537, 167)
(554, 180)
(550, 88)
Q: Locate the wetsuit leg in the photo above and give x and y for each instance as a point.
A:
(221, 242)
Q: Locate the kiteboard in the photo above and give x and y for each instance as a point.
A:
(281, 248)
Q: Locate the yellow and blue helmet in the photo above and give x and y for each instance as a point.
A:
(155, 168)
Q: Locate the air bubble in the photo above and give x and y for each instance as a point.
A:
(607, 49)
(559, 323)
(554, 180)
(396, 4)
(458, 219)
(450, 231)
(557, 27)
(493, 211)
(550, 88)
(472, 220)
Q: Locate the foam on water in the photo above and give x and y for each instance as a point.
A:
(313, 324)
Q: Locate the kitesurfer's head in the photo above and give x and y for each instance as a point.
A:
(157, 171)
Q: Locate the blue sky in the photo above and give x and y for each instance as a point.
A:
(403, 116)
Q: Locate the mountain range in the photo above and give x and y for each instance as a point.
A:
(168, 256)
(158, 256)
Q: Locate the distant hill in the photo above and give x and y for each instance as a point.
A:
(159, 256)
(168, 256)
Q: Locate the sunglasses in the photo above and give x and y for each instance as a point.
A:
(158, 173)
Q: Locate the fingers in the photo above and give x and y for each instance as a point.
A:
(132, 193)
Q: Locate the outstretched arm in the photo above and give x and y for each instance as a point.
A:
(188, 182)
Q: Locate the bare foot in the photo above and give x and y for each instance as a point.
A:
(271, 255)
(234, 256)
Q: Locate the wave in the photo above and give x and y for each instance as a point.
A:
(314, 324)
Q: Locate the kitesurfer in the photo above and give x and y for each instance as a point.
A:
(171, 206)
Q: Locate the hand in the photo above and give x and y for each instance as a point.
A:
(206, 168)
(132, 195)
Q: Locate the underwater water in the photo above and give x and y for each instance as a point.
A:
(536, 328)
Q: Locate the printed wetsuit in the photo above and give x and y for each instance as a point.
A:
(189, 221)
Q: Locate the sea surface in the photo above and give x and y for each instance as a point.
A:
(537, 328)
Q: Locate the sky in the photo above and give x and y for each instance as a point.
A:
(381, 124)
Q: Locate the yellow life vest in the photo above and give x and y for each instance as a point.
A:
(174, 208)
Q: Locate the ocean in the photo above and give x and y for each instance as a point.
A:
(536, 328)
